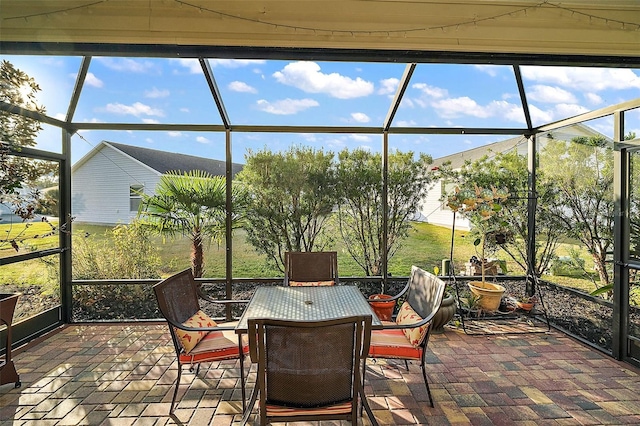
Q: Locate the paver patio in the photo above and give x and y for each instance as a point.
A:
(123, 374)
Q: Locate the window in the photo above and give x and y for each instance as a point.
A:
(135, 197)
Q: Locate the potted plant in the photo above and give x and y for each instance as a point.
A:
(382, 307)
(481, 206)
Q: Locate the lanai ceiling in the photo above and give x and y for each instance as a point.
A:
(603, 31)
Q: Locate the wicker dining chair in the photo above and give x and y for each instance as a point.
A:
(310, 268)
(406, 338)
(309, 371)
(196, 337)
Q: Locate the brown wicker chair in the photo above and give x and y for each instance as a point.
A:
(196, 338)
(406, 338)
(311, 268)
(309, 371)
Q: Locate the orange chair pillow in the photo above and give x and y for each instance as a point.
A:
(407, 316)
(189, 339)
(311, 283)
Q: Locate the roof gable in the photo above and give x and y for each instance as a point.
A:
(164, 162)
(518, 143)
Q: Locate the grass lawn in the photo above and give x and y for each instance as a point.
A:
(425, 247)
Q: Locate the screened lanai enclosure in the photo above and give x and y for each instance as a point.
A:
(128, 91)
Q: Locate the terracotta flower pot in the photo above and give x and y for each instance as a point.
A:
(382, 308)
(525, 306)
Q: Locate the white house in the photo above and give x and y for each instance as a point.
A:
(435, 211)
(106, 182)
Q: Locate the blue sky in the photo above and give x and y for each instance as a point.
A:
(152, 90)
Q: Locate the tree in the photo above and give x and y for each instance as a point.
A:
(509, 171)
(360, 212)
(292, 195)
(193, 204)
(17, 174)
(581, 172)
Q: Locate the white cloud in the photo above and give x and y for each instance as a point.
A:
(150, 121)
(569, 110)
(184, 109)
(191, 64)
(492, 70)
(540, 116)
(127, 65)
(457, 107)
(431, 91)
(584, 79)
(202, 139)
(235, 63)
(593, 99)
(148, 140)
(360, 117)
(156, 93)
(406, 123)
(60, 116)
(360, 138)
(388, 86)
(240, 86)
(307, 77)
(550, 94)
(93, 81)
(174, 134)
(286, 106)
(137, 109)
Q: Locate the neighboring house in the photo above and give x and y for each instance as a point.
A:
(434, 209)
(106, 182)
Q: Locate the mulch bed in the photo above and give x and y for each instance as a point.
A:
(580, 315)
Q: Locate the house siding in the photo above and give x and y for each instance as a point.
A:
(100, 187)
(435, 212)
(432, 210)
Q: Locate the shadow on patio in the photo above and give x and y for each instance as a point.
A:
(122, 374)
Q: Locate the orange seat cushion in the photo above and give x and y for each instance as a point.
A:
(216, 346)
(189, 339)
(392, 343)
(311, 283)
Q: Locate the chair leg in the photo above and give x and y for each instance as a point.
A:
(406, 364)
(242, 381)
(175, 391)
(426, 381)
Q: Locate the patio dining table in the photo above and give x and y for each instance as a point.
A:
(306, 304)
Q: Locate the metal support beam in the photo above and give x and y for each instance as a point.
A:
(312, 54)
(77, 89)
(523, 96)
(532, 202)
(228, 224)
(215, 92)
(402, 87)
(621, 237)
(65, 226)
(385, 209)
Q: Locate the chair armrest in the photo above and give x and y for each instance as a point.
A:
(185, 328)
(395, 297)
(396, 326)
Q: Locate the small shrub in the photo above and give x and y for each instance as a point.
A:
(126, 253)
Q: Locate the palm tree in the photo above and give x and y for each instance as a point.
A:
(193, 204)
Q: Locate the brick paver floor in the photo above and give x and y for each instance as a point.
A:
(124, 374)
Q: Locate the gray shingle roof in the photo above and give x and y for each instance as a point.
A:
(163, 161)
